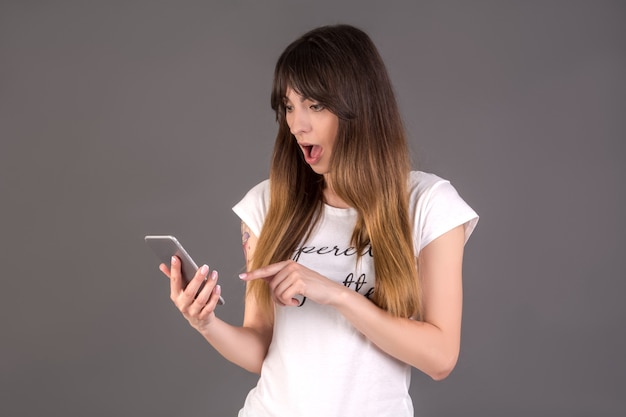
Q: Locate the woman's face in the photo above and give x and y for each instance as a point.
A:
(314, 127)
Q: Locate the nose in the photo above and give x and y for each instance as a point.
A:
(298, 121)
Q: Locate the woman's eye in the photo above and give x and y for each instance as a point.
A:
(317, 107)
(288, 108)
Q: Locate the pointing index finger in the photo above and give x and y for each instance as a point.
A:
(265, 272)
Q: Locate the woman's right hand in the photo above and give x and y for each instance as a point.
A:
(198, 310)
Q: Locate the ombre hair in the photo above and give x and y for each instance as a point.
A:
(340, 68)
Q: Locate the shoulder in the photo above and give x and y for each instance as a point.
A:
(421, 183)
(253, 207)
(436, 207)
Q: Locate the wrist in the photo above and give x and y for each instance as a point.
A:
(206, 327)
(341, 297)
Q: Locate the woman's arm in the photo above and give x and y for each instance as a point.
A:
(431, 345)
(245, 346)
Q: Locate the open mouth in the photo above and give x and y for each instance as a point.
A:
(312, 153)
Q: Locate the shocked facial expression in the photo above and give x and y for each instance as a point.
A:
(314, 127)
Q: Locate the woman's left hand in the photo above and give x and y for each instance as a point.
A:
(288, 280)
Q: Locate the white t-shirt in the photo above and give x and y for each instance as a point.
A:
(318, 364)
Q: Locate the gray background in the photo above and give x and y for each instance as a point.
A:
(120, 119)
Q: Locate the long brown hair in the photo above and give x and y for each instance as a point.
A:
(340, 68)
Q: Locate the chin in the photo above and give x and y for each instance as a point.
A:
(320, 170)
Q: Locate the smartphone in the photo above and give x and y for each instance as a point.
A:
(167, 246)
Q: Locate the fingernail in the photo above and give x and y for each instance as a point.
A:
(243, 275)
(218, 289)
(213, 275)
(173, 260)
(204, 270)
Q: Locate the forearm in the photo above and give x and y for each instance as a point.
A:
(420, 344)
(243, 346)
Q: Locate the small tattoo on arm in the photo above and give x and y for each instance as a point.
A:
(244, 240)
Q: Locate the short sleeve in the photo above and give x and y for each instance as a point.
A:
(437, 208)
(253, 207)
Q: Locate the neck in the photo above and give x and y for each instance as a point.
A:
(331, 198)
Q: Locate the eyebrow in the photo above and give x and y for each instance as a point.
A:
(302, 99)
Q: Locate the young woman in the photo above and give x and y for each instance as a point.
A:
(354, 262)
